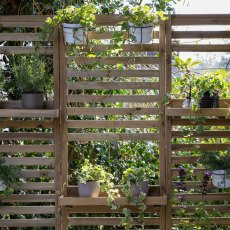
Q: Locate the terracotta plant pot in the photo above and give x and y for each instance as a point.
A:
(136, 189)
(74, 34)
(220, 179)
(89, 189)
(32, 100)
(143, 34)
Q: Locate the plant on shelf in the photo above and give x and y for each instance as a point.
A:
(135, 187)
(8, 176)
(92, 179)
(75, 21)
(218, 163)
(33, 78)
(202, 91)
(139, 22)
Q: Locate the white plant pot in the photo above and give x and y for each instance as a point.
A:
(74, 34)
(143, 34)
(2, 186)
(220, 179)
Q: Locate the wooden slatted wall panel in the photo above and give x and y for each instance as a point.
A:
(27, 140)
(187, 149)
(94, 102)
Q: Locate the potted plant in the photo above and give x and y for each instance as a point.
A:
(8, 175)
(135, 188)
(32, 78)
(140, 22)
(219, 166)
(92, 179)
(75, 21)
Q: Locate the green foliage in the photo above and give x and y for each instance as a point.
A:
(215, 160)
(84, 15)
(31, 73)
(139, 15)
(8, 174)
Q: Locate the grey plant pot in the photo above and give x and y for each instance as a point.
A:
(89, 189)
(136, 189)
(32, 100)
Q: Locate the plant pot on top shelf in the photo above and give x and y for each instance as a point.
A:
(76, 21)
(140, 23)
(219, 165)
(33, 78)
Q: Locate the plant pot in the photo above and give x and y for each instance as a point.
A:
(2, 186)
(206, 101)
(74, 34)
(136, 189)
(89, 189)
(220, 179)
(143, 34)
(32, 100)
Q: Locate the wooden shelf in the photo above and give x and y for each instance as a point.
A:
(35, 113)
(89, 201)
(178, 112)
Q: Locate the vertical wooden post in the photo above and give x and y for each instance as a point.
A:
(56, 126)
(63, 137)
(162, 120)
(168, 124)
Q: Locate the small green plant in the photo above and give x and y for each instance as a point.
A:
(84, 15)
(31, 73)
(90, 172)
(8, 175)
(132, 179)
(215, 161)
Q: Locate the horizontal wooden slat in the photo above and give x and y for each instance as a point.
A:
(200, 19)
(205, 134)
(201, 147)
(112, 124)
(200, 34)
(29, 160)
(200, 48)
(200, 112)
(26, 124)
(124, 48)
(107, 221)
(113, 73)
(19, 37)
(48, 222)
(27, 210)
(16, 104)
(35, 186)
(28, 198)
(207, 197)
(112, 98)
(30, 173)
(72, 201)
(112, 111)
(185, 160)
(112, 137)
(103, 35)
(24, 50)
(113, 60)
(46, 113)
(107, 209)
(113, 85)
(26, 148)
(26, 136)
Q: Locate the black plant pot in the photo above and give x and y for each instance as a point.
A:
(206, 101)
(32, 100)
